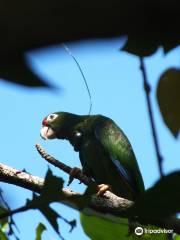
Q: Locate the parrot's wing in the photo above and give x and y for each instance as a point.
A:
(123, 172)
(121, 154)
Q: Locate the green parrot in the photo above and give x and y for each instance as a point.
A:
(105, 153)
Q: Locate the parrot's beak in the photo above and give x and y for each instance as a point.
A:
(47, 133)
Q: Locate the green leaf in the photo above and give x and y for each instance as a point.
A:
(39, 230)
(17, 70)
(7, 223)
(176, 237)
(168, 96)
(102, 229)
(160, 201)
(3, 221)
(3, 235)
(99, 228)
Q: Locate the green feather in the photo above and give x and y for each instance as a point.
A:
(105, 152)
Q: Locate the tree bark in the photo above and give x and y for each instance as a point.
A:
(98, 206)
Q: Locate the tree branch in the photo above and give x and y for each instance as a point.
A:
(109, 203)
(80, 176)
(147, 89)
(20, 178)
(98, 206)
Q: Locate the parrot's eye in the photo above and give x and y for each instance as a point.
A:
(52, 117)
(78, 134)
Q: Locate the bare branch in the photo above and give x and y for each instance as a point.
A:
(80, 176)
(111, 204)
(20, 178)
(34, 183)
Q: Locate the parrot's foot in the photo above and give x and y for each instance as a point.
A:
(102, 188)
(73, 173)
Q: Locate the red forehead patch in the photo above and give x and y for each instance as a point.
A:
(44, 122)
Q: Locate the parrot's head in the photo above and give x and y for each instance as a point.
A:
(58, 125)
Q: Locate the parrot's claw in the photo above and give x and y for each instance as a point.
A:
(102, 188)
(73, 173)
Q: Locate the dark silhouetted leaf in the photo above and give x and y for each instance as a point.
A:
(160, 201)
(168, 95)
(29, 25)
(52, 188)
(169, 45)
(39, 230)
(33, 24)
(17, 71)
(72, 224)
(51, 215)
(139, 47)
(51, 192)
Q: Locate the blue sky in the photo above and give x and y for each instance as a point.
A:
(117, 91)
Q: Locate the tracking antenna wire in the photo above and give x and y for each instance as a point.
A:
(84, 78)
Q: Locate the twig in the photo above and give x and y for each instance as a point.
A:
(147, 89)
(80, 176)
(12, 212)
